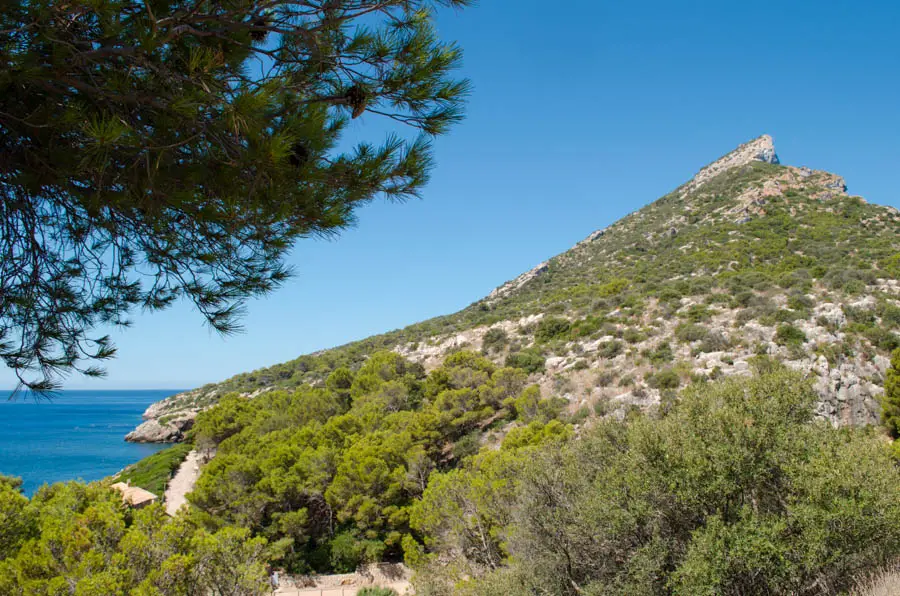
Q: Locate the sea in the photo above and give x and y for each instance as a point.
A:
(75, 435)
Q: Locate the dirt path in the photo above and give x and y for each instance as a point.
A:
(182, 483)
(385, 575)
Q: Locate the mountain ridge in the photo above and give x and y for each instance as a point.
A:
(747, 258)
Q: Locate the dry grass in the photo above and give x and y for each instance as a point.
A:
(884, 583)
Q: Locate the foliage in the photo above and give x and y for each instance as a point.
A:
(17, 523)
(77, 539)
(788, 335)
(334, 480)
(153, 472)
(495, 339)
(551, 328)
(890, 401)
(190, 145)
(736, 491)
(528, 360)
(374, 591)
(664, 379)
(691, 332)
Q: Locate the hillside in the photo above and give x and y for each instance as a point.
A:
(749, 257)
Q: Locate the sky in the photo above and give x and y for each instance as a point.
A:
(582, 112)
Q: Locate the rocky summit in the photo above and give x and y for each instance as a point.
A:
(749, 259)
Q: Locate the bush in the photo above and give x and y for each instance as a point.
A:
(610, 349)
(494, 340)
(633, 336)
(528, 361)
(551, 328)
(690, 332)
(697, 313)
(890, 400)
(664, 379)
(375, 591)
(714, 342)
(883, 339)
(737, 490)
(661, 354)
(800, 302)
(348, 552)
(788, 335)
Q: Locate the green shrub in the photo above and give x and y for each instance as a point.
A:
(633, 336)
(800, 302)
(375, 591)
(348, 552)
(153, 472)
(690, 332)
(890, 315)
(890, 400)
(610, 349)
(788, 335)
(494, 340)
(697, 313)
(580, 415)
(664, 379)
(661, 354)
(736, 490)
(551, 328)
(883, 339)
(788, 316)
(714, 342)
(526, 360)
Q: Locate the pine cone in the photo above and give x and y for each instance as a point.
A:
(299, 155)
(357, 100)
(256, 34)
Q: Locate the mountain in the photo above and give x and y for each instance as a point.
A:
(748, 258)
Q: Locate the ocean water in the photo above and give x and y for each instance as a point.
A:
(76, 435)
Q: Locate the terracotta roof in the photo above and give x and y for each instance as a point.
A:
(134, 495)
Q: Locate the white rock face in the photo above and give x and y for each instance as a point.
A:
(154, 431)
(512, 286)
(760, 149)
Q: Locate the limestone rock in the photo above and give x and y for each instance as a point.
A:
(759, 149)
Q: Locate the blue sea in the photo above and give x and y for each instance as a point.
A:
(76, 435)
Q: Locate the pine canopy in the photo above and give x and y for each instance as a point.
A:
(165, 149)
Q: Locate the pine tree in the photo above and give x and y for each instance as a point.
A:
(154, 150)
(890, 401)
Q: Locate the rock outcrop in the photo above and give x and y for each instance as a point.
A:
(162, 430)
(760, 149)
(511, 286)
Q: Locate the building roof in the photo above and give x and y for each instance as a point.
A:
(134, 495)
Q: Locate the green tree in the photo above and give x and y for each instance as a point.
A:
(81, 540)
(16, 522)
(890, 401)
(159, 150)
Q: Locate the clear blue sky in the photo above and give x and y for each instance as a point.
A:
(582, 112)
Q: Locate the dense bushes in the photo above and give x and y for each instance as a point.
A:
(890, 401)
(788, 335)
(528, 360)
(551, 328)
(737, 491)
(77, 539)
(332, 479)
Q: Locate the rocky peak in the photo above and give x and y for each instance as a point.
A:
(759, 149)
